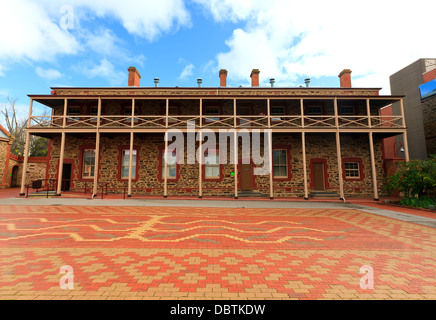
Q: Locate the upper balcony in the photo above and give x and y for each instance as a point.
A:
(87, 114)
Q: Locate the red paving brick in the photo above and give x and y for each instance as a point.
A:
(209, 253)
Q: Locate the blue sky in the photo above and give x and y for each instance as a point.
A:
(48, 43)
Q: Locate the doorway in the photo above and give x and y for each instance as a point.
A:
(66, 176)
(14, 178)
(247, 177)
(318, 176)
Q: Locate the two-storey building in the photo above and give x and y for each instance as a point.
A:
(318, 139)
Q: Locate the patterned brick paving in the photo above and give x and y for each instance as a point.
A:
(211, 253)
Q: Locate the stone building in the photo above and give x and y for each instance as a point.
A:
(11, 166)
(319, 141)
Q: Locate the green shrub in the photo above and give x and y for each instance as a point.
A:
(413, 178)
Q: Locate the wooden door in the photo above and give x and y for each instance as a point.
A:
(66, 177)
(318, 176)
(14, 178)
(246, 177)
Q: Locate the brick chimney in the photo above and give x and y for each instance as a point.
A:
(345, 78)
(134, 77)
(255, 77)
(223, 78)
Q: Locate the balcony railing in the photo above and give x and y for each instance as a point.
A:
(217, 121)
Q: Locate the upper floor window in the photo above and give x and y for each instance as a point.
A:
(211, 111)
(347, 111)
(128, 113)
(276, 111)
(314, 110)
(172, 110)
(73, 113)
(93, 111)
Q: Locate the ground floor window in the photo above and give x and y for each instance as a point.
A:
(171, 165)
(280, 163)
(352, 170)
(125, 164)
(211, 165)
(88, 163)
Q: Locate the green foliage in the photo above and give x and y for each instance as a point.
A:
(423, 202)
(413, 178)
(39, 147)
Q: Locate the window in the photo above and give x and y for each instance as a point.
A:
(352, 170)
(73, 113)
(172, 110)
(93, 111)
(280, 164)
(171, 165)
(211, 165)
(125, 164)
(314, 110)
(347, 111)
(277, 111)
(88, 163)
(210, 111)
(128, 113)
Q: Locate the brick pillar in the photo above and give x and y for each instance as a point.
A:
(345, 78)
(134, 77)
(255, 77)
(223, 78)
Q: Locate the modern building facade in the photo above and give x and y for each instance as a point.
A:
(318, 139)
(406, 82)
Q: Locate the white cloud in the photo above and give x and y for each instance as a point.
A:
(28, 33)
(49, 74)
(105, 70)
(289, 39)
(187, 71)
(1, 71)
(32, 31)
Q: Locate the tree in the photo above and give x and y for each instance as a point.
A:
(38, 146)
(413, 178)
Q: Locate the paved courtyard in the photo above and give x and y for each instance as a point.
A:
(200, 252)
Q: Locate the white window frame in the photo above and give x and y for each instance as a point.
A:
(281, 164)
(349, 170)
(134, 163)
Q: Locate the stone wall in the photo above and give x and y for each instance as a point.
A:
(149, 179)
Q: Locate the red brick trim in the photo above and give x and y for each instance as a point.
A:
(326, 174)
(361, 168)
(288, 159)
(161, 149)
(120, 160)
(81, 151)
(6, 170)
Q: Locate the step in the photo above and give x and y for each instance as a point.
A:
(251, 194)
(324, 194)
(42, 194)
